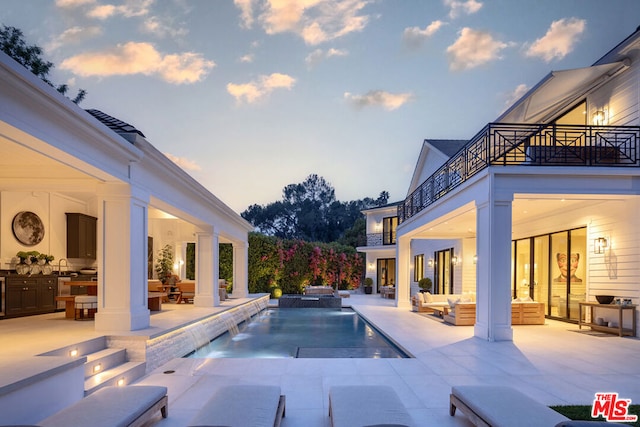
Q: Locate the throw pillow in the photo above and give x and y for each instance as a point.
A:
(427, 297)
(452, 302)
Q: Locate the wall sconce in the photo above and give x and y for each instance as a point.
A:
(430, 263)
(599, 245)
(455, 260)
(475, 259)
(599, 118)
(371, 266)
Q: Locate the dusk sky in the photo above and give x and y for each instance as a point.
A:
(249, 96)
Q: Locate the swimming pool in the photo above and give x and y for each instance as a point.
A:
(302, 333)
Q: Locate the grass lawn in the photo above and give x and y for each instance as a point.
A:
(583, 412)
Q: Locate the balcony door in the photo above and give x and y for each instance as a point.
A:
(389, 225)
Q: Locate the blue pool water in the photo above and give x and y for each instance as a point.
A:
(302, 333)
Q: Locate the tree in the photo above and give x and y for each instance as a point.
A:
(30, 56)
(309, 211)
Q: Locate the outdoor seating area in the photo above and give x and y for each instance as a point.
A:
(318, 290)
(388, 292)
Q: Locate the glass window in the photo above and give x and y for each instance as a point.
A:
(418, 267)
(444, 272)
(386, 272)
(389, 225)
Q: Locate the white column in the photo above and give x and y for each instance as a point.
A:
(493, 286)
(240, 269)
(403, 267)
(122, 259)
(206, 270)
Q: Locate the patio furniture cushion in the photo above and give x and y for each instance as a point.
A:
(366, 405)
(242, 405)
(112, 407)
(501, 406)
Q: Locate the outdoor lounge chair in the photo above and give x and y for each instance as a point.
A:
(242, 405)
(500, 406)
(355, 405)
(113, 407)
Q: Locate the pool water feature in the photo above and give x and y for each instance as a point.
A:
(302, 333)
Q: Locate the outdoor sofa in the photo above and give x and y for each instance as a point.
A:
(424, 302)
(318, 290)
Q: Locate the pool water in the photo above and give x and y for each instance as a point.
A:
(302, 333)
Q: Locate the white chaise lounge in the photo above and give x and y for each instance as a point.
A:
(242, 405)
(354, 406)
(499, 406)
(113, 407)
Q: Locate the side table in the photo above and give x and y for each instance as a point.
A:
(620, 330)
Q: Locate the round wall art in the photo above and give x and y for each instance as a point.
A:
(28, 228)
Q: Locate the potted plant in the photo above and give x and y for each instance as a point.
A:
(45, 261)
(368, 285)
(425, 284)
(164, 264)
(22, 267)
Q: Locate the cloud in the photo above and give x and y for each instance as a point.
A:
(414, 36)
(184, 163)
(140, 58)
(320, 55)
(73, 3)
(461, 7)
(559, 40)
(315, 21)
(247, 59)
(73, 35)
(162, 28)
(246, 12)
(260, 88)
(473, 48)
(516, 94)
(129, 9)
(388, 101)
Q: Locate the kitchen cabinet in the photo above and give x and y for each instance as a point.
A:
(30, 295)
(81, 236)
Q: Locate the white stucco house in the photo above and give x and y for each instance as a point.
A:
(58, 158)
(540, 203)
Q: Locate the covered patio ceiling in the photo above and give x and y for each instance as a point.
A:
(461, 223)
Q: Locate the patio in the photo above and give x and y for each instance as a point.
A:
(554, 363)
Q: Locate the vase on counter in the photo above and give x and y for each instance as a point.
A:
(47, 268)
(22, 267)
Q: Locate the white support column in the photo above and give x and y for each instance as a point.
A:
(122, 260)
(240, 270)
(403, 267)
(493, 289)
(206, 270)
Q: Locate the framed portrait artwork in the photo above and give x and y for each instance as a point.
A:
(28, 228)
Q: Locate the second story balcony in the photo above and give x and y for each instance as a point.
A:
(381, 239)
(503, 144)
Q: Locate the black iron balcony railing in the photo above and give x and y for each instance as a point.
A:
(503, 144)
(380, 239)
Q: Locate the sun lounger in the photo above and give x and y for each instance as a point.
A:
(499, 406)
(354, 405)
(242, 405)
(113, 407)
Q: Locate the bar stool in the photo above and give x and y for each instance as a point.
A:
(86, 302)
